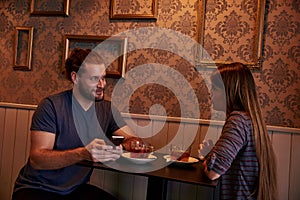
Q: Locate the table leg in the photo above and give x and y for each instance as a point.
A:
(217, 191)
(157, 188)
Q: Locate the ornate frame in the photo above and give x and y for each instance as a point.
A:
(113, 14)
(258, 43)
(118, 45)
(63, 12)
(23, 48)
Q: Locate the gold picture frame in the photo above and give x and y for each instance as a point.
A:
(23, 48)
(113, 47)
(126, 9)
(256, 62)
(50, 7)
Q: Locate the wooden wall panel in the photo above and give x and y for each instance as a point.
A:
(173, 190)
(280, 140)
(204, 193)
(20, 143)
(160, 137)
(144, 130)
(97, 178)
(110, 182)
(209, 132)
(175, 133)
(123, 186)
(190, 136)
(2, 129)
(8, 153)
(139, 190)
(132, 124)
(188, 191)
(126, 185)
(194, 151)
(28, 134)
(294, 192)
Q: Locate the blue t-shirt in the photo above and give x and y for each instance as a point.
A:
(73, 127)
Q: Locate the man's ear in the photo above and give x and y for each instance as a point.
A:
(74, 77)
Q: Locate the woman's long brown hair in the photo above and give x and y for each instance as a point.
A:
(241, 94)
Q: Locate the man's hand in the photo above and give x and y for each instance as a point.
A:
(100, 152)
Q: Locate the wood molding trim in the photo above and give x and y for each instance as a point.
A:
(162, 118)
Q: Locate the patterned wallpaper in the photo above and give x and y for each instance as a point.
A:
(277, 80)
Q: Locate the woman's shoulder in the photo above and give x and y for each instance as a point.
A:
(238, 122)
(239, 118)
(242, 115)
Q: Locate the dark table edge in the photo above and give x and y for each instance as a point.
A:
(96, 165)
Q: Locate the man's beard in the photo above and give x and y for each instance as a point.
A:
(89, 95)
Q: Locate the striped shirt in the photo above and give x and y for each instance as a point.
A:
(234, 158)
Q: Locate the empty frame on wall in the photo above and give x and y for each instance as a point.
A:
(112, 50)
(23, 48)
(49, 7)
(230, 32)
(127, 9)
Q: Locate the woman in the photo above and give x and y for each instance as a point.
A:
(243, 156)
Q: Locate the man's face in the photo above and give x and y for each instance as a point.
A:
(91, 82)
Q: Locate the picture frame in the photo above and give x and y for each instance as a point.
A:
(126, 9)
(113, 47)
(23, 48)
(50, 7)
(257, 39)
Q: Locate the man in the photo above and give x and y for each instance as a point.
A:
(67, 128)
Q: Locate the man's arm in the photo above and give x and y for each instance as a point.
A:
(42, 155)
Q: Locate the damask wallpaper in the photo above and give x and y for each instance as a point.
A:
(277, 81)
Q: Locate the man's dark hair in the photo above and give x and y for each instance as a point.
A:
(75, 60)
(78, 58)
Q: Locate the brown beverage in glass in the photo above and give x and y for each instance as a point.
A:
(178, 152)
(139, 149)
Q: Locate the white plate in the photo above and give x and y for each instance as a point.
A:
(190, 161)
(139, 160)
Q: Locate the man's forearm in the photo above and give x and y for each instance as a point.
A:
(45, 159)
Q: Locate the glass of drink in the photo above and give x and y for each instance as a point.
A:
(138, 149)
(117, 139)
(180, 152)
